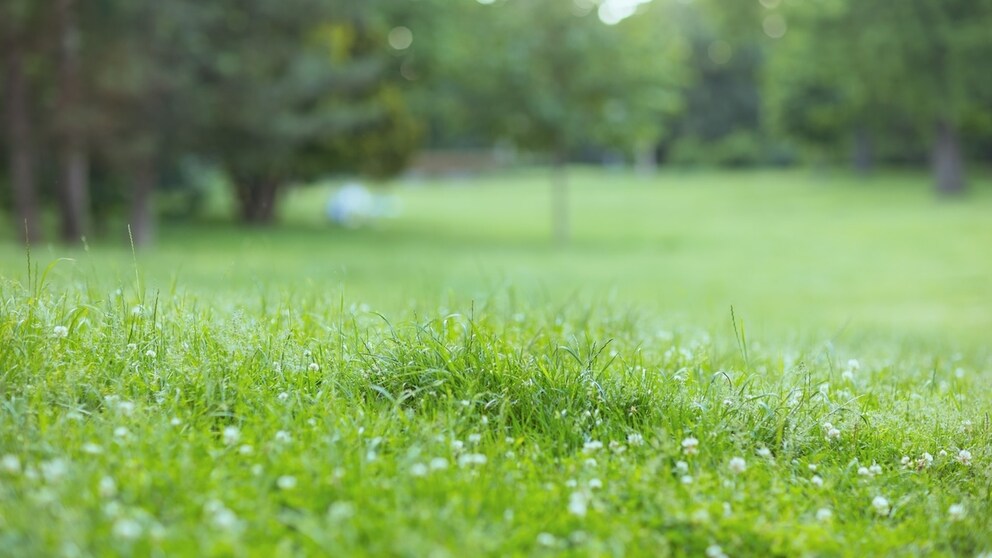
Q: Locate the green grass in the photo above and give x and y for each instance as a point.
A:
(297, 390)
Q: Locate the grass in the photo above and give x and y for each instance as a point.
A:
(450, 381)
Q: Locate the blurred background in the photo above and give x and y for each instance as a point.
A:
(748, 150)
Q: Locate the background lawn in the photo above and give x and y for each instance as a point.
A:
(451, 381)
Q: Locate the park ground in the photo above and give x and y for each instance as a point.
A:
(752, 363)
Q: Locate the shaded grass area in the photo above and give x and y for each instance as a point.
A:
(450, 381)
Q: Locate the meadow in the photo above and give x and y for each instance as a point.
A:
(765, 363)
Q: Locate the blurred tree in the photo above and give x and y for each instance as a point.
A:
(551, 76)
(282, 82)
(18, 19)
(879, 62)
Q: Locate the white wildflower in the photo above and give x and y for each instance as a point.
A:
(92, 449)
(817, 480)
(714, 551)
(764, 452)
(635, 440)
(286, 482)
(876, 469)
(438, 464)
(10, 463)
(107, 487)
(314, 367)
(964, 457)
(956, 512)
(592, 446)
(128, 529)
(121, 432)
(54, 469)
(246, 449)
(418, 469)
(60, 332)
(176, 421)
(578, 504)
(595, 484)
(471, 459)
(150, 353)
(824, 514)
(686, 479)
(474, 438)
(682, 466)
(546, 539)
(690, 446)
(231, 435)
(881, 505)
(283, 437)
(737, 465)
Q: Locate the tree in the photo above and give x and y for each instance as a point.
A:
(885, 62)
(554, 77)
(16, 18)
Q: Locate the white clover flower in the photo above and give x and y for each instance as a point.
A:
(864, 472)
(231, 435)
(176, 421)
(737, 465)
(571, 483)
(853, 364)
(60, 332)
(595, 483)
(221, 516)
(635, 440)
(956, 512)
(682, 466)
(546, 539)
(590, 462)
(246, 449)
(824, 515)
(314, 367)
(812, 467)
(10, 463)
(127, 529)
(817, 480)
(764, 452)
(686, 479)
(107, 487)
(592, 446)
(283, 437)
(92, 449)
(905, 461)
(942, 453)
(121, 432)
(54, 469)
(578, 504)
(457, 445)
(438, 464)
(881, 505)
(964, 457)
(471, 459)
(418, 470)
(616, 447)
(876, 469)
(474, 438)
(282, 396)
(286, 482)
(690, 446)
(150, 353)
(714, 551)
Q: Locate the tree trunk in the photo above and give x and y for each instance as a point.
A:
(257, 201)
(73, 187)
(142, 221)
(948, 163)
(559, 200)
(864, 151)
(646, 159)
(20, 146)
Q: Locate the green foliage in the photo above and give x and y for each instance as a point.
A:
(245, 396)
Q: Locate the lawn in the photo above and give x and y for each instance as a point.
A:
(742, 364)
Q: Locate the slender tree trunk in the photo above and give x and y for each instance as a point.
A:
(20, 146)
(864, 151)
(257, 201)
(73, 187)
(948, 162)
(142, 220)
(559, 199)
(647, 160)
